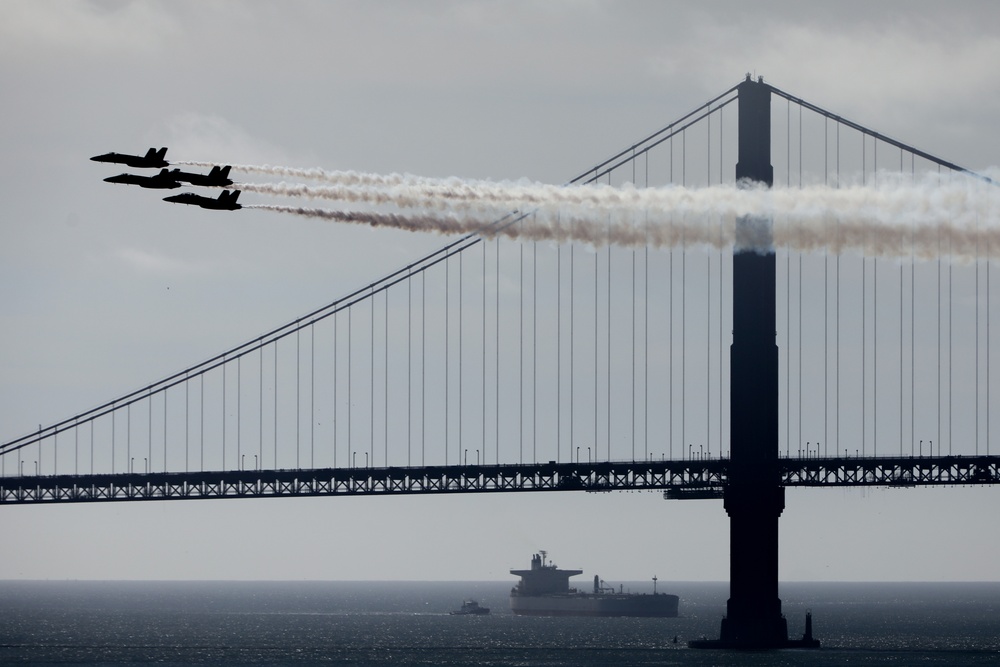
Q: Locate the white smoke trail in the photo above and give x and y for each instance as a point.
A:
(959, 217)
(835, 234)
(345, 178)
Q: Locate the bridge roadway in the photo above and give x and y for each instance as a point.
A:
(687, 478)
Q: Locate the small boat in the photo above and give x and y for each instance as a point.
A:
(470, 608)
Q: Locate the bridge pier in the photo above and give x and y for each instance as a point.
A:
(754, 497)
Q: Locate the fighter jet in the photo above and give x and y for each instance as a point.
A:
(164, 180)
(218, 177)
(153, 159)
(225, 202)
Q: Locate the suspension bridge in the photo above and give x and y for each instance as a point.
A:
(499, 364)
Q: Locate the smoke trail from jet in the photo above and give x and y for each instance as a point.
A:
(345, 178)
(959, 217)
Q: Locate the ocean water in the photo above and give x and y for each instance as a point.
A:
(407, 623)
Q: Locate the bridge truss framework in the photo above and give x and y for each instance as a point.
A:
(680, 479)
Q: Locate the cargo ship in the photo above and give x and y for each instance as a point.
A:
(544, 590)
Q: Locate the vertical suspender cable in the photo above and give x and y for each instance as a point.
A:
(826, 299)
(520, 363)
(260, 407)
(708, 149)
(409, 365)
(164, 431)
(201, 415)
(447, 349)
(837, 358)
(298, 389)
(483, 441)
(385, 378)
(239, 418)
(312, 395)
(275, 405)
(423, 367)
(633, 327)
(336, 424)
(913, 337)
(645, 333)
(875, 161)
(788, 351)
(496, 374)
(534, 351)
(461, 296)
(350, 364)
(223, 369)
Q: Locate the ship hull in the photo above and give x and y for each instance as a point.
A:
(604, 604)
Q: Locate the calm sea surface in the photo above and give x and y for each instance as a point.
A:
(380, 623)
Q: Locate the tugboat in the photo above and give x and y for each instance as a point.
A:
(470, 608)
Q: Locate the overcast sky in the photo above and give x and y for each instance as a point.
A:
(104, 289)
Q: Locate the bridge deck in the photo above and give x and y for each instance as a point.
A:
(695, 478)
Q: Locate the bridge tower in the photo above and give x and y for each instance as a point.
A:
(754, 497)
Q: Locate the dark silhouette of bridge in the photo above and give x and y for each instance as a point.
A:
(244, 423)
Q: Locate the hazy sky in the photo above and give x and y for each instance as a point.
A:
(104, 289)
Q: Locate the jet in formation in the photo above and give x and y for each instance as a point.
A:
(225, 202)
(217, 177)
(165, 180)
(173, 178)
(153, 159)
